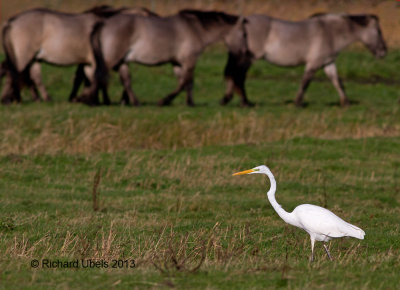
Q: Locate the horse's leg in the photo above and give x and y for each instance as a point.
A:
(78, 79)
(102, 84)
(229, 86)
(188, 79)
(189, 93)
(90, 93)
(3, 69)
(128, 95)
(11, 88)
(26, 80)
(95, 80)
(235, 76)
(36, 77)
(305, 82)
(34, 92)
(185, 77)
(331, 72)
(239, 87)
(229, 73)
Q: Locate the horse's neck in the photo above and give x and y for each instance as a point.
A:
(217, 33)
(345, 38)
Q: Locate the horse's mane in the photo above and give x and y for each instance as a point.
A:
(104, 11)
(140, 11)
(209, 18)
(317, 14)
(361, 19)
(40, 9)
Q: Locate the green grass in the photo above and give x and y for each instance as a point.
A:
(166, 197)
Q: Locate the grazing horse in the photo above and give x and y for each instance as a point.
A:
(314, 42)
(178, 39)
(58, 38)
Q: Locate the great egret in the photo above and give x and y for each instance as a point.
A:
(320, 223)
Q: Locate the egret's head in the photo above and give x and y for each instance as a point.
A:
(259, 169)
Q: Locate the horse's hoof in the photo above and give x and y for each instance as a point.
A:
(223, 102)
(6, 102)
(345, 104)
(163, 103)
(9, 100)
(247, 105)
(86, 102)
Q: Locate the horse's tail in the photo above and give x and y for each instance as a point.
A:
(9, 66)
(3, 69)
(10, 62)
(239, 59)
(101, 72)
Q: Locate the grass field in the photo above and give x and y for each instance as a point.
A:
(154, 184)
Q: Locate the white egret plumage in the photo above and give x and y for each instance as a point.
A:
(320, 223)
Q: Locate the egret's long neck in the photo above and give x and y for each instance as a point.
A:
(286, 216)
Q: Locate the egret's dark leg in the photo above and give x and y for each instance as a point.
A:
(327, 252)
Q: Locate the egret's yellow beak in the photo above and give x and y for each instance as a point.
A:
(244, 172)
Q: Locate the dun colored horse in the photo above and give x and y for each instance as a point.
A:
(314, 42)
(58, 38)
(178, 39)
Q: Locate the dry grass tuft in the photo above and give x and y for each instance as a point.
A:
(104, 134)
(95, 190)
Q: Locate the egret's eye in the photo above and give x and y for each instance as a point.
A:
(256, 169)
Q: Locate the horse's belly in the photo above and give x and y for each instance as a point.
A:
(147, 54)
(59, 54)
(282, 60)
(59, 59)
(281, 55)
